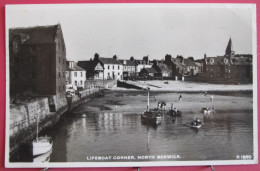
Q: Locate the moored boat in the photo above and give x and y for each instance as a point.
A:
(151, 115)
(41, 145)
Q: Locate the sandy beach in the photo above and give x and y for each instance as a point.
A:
(184, 86)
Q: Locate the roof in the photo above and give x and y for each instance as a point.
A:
(128, 62)
(198, 64)
(241, 61)
(109, 61)
(177, 62)
(35, 35)
(74, 68)
(189, 62)
(219, 60)
(150, 70)
(87, 64)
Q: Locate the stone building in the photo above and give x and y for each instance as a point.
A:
(229, 68)
(37, 60)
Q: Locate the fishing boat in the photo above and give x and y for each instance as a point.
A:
(151, 115)
(41, 145)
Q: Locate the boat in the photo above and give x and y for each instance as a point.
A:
(151, 115)
(196, 124)
(45, 157)
(41, 145)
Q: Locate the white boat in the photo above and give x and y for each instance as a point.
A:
(41, 145)
(45, 157)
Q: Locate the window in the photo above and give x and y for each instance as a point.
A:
(75, 83)
(118, 73)
(81, 74)
(15, 47)
(108, 67)
(75, 74)
(80, 82)
(59, 59)
(59, 74)
(118, 67)
(113, 67)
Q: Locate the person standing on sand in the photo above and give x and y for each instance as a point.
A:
(211, 98)
(180, 98)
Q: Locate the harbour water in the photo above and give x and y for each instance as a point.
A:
(109, 128)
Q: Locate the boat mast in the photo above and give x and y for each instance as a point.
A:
(37, 128)
(148, 88)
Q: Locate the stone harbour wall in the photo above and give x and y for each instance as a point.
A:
(23, 115)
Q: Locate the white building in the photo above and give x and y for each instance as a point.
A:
(112, 68)
(129, 68)
(75, 75)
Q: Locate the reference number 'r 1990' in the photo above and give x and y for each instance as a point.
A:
(244, 157)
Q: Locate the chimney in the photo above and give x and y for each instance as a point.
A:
(71, 64)
(96, 56)
(115, 57)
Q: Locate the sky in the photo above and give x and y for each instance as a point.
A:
(138, 30)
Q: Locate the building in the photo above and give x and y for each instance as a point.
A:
(129, 69)
(229, 68)
(149, 73)
(37, 58)
(94, 69)
(140, 64)
(75, 75)
(162, 68)
(176, 66)
(112, 68)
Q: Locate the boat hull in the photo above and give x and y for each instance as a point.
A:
(151, 116)
(42, 145)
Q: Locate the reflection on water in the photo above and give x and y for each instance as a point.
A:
(90, 130)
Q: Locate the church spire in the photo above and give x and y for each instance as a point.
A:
(229, 49)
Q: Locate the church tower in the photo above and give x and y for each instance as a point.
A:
(229, 49)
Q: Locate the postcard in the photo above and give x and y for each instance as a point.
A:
(131, 85)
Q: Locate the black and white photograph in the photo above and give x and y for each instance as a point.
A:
(116, 85)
